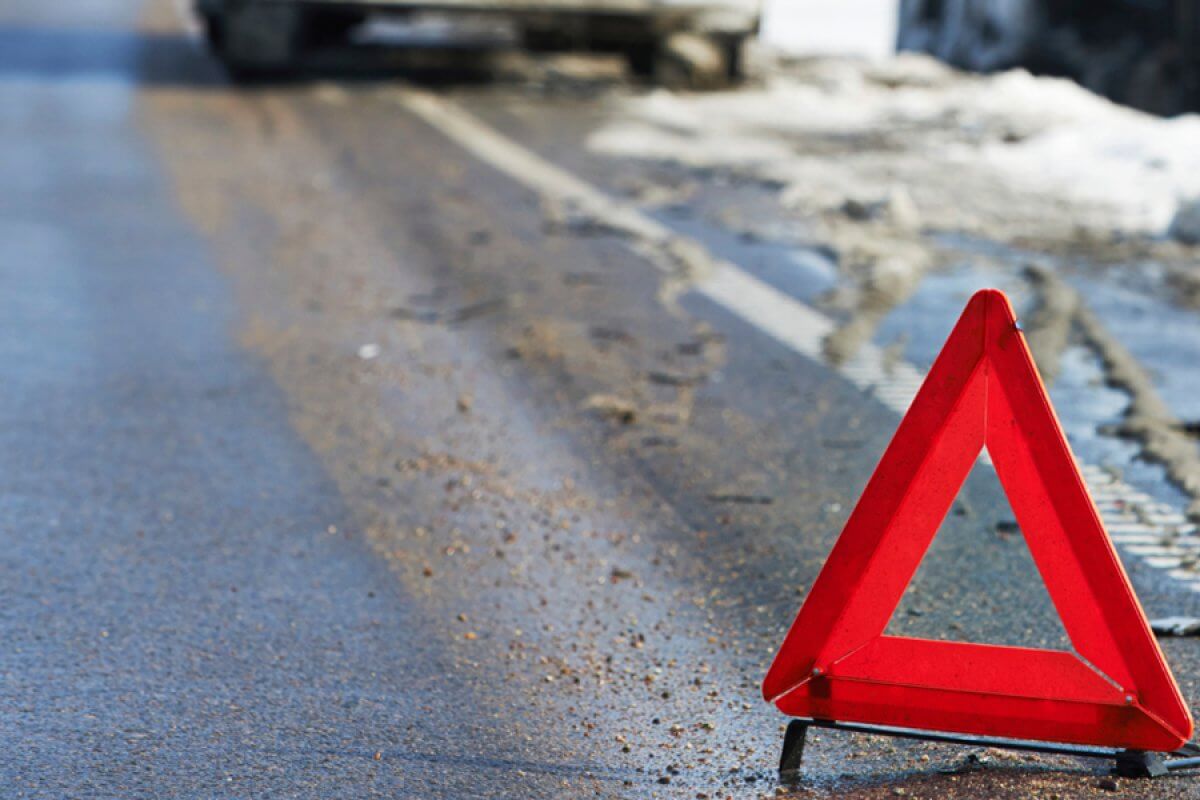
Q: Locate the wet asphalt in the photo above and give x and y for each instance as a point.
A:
(339, 465)
(189, 610)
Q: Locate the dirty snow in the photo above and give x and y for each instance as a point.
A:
(971, 149)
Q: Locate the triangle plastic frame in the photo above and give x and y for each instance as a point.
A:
(1115, 690)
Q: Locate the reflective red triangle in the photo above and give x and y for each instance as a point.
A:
(836, 663)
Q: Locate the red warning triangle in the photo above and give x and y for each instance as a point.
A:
(1114, 690)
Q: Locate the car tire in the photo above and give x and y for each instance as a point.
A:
(261, 39)
(641, 58)
(214, 31)
(690, 61)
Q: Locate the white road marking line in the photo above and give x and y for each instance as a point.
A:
(792, 323)
(1151, 549)
(1149, 539)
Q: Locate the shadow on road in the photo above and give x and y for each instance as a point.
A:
(177, 60)
(30, 53)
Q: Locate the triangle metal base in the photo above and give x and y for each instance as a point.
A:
(1127, 763)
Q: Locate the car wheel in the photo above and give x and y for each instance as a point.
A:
(691, 61)
(262, 39)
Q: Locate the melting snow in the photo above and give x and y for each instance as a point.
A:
(1034, 136)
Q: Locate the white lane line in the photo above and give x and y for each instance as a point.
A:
(1164, 538)
(1147, 539)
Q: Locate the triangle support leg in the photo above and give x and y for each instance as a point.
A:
(793, 751)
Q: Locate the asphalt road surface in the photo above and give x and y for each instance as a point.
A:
(374, 436)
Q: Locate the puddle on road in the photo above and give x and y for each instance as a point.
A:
(1164, 338)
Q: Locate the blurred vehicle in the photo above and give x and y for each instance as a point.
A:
(1144, 53)
(683, 42)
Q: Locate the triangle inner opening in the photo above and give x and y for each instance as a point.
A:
(978, 581)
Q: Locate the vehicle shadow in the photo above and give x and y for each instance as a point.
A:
(70, 54)
(181, 61)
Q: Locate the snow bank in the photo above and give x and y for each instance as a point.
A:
(1100, 152)
(1038, 136)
